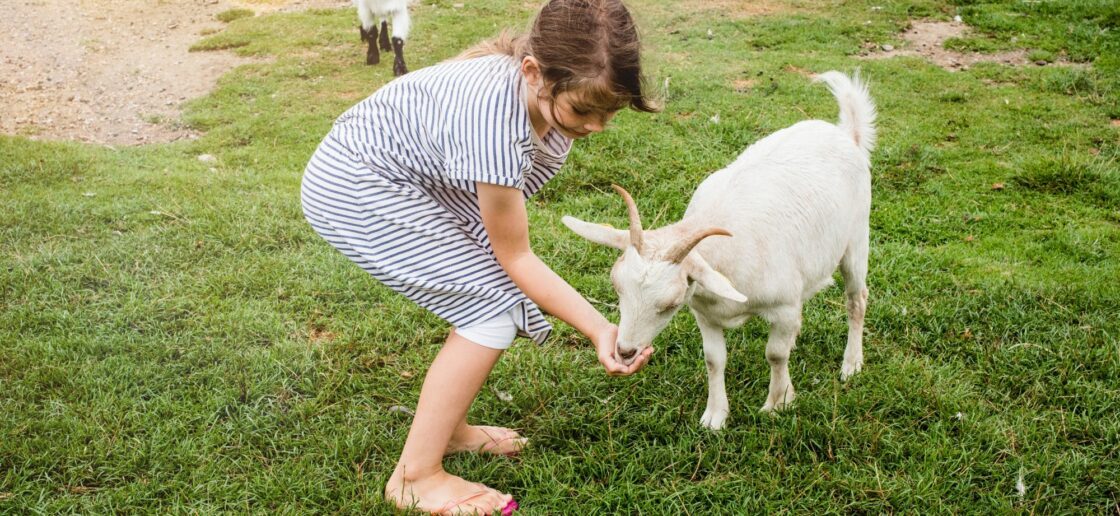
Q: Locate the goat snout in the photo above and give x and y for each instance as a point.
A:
(627, 354)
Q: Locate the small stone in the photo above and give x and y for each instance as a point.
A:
(957, 18)
(207, 158)
(888, 48)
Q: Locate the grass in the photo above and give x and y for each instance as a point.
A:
(175, 338)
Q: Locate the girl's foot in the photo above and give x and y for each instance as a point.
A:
(486, 439)
(444, 493)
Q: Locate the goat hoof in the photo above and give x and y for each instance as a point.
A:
(778, 403)
(399, 69)
(713, 419)
(849, 370)
(372, 60)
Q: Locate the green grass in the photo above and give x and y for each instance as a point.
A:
(233, 14)
(175, 338)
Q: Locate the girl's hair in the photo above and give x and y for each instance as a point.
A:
(589, 47)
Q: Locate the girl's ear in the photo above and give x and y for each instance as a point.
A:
(531, 69)
(711, 279)
(598, 233)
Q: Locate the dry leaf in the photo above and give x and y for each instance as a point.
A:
(502, 395)
(997, 186)
(402, 409)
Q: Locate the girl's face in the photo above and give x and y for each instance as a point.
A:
(566, 113)
(571, 118)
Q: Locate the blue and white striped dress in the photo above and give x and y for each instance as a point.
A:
(393, 186)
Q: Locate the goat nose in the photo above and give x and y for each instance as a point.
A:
(628, 354)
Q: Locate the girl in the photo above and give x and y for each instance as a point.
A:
(423, 185)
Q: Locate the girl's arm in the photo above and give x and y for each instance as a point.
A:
(507, 224)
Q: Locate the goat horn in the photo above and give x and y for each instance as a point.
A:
(635, 221)
(677, 253)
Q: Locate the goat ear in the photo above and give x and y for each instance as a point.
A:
(712, 280)
(600, 234)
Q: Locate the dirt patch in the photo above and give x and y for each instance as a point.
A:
(926, 39)
(113, 71)
(737, 8)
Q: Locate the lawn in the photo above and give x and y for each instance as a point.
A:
(175, 338)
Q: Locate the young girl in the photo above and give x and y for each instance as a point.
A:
(423, 185)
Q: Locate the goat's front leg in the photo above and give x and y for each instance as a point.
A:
(715, 358)
(402, 22)
(784, 327)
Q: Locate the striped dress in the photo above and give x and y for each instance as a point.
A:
(393, 186)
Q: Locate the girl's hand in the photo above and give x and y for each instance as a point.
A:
(604, 345)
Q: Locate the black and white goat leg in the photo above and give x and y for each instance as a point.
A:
(384, 41)
(401, 25)
(399, 67)
(370, 36)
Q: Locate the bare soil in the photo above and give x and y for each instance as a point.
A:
(112, 71)
(926, 39)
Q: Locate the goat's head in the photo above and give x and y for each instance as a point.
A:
(654, 275)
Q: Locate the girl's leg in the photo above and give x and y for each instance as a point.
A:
(496, 333)
(450, 386)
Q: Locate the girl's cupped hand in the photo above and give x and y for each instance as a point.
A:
(605, 347)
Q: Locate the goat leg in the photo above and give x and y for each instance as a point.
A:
(372, 55)
(384, 41)
(399, 67)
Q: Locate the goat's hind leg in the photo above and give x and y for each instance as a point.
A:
(853, 266)
(715, 359)
(384, 40)
(784, 327)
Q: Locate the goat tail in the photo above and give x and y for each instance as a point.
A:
(857, 110)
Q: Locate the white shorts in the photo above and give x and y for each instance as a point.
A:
(496, 333)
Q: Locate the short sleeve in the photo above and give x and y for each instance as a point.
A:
(487, 137)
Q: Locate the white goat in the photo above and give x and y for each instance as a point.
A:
(797, 203)
(370, 11)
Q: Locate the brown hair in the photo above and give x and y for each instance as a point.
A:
(589, 47)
